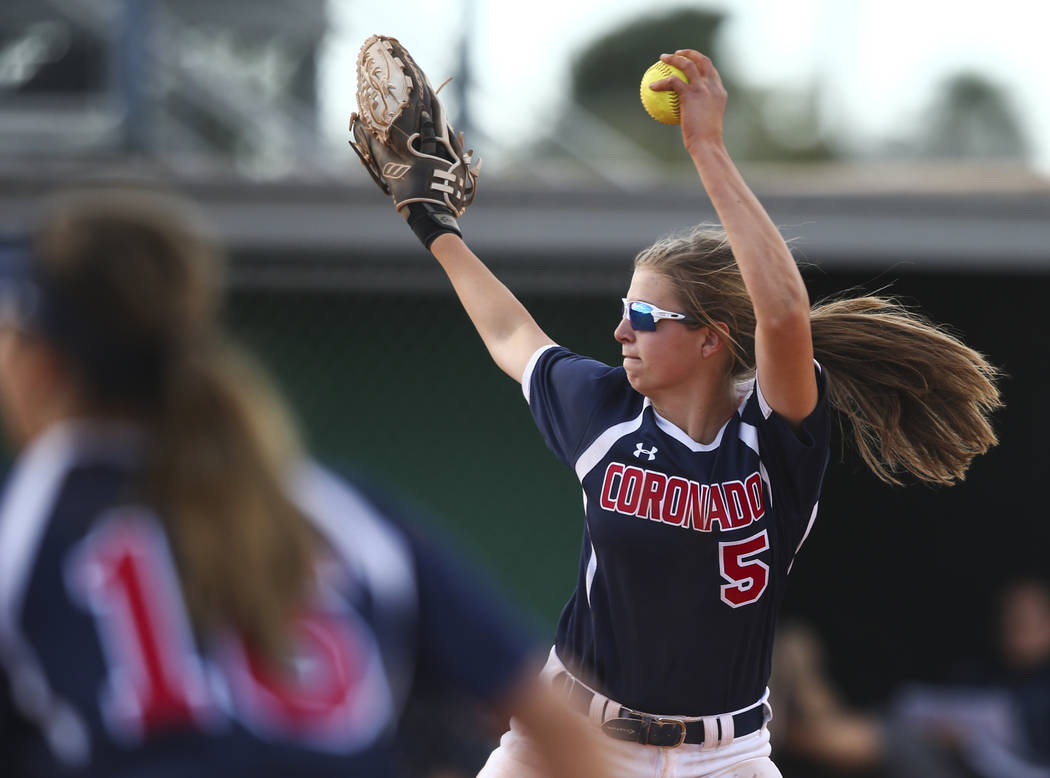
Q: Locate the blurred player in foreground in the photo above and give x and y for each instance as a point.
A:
(700, 480)
(182, 592)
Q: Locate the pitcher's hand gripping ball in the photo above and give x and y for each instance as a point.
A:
(662, 106)
(405, 142)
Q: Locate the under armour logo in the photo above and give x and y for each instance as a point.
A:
(651, 453)
(395, 170)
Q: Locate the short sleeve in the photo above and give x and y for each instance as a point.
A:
(564, 390)
(795, 460)
(467, 636)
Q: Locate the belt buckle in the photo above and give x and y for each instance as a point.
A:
(662, 723)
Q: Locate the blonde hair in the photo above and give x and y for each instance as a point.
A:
(911, 396)
(141, 280)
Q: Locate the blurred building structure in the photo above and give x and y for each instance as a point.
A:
(220, 100)
(178, 81)
(579, 239)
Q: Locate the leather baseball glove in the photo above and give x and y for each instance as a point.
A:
(405, 141)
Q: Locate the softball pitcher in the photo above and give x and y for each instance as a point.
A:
(701, 456)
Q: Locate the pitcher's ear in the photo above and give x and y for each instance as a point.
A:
(715, 340)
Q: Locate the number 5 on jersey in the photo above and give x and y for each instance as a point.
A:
(747, 576)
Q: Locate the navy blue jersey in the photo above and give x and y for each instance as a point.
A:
(102, 674)
(686, 546)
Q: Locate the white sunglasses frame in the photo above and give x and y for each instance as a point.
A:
(656, 313)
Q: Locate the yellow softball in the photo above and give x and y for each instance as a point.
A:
(662, 106)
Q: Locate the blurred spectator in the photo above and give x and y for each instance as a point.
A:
(994, 720)
(813, 731)
(991, 721)
(182, 590)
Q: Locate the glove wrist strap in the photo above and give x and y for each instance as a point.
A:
(428, 221)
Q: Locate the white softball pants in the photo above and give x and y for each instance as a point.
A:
(744, 757)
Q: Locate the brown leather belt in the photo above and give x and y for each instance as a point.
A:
(637, 727)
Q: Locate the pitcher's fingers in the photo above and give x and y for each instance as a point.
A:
(671, 83)
(686, 65)
(702, 61)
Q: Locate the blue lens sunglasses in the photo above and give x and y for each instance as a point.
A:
(644, 316)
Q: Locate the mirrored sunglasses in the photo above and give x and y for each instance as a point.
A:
(644, 316)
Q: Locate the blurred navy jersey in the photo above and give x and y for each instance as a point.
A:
(101, 673)
(686, 546)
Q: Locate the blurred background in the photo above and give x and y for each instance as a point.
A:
(902, 146)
